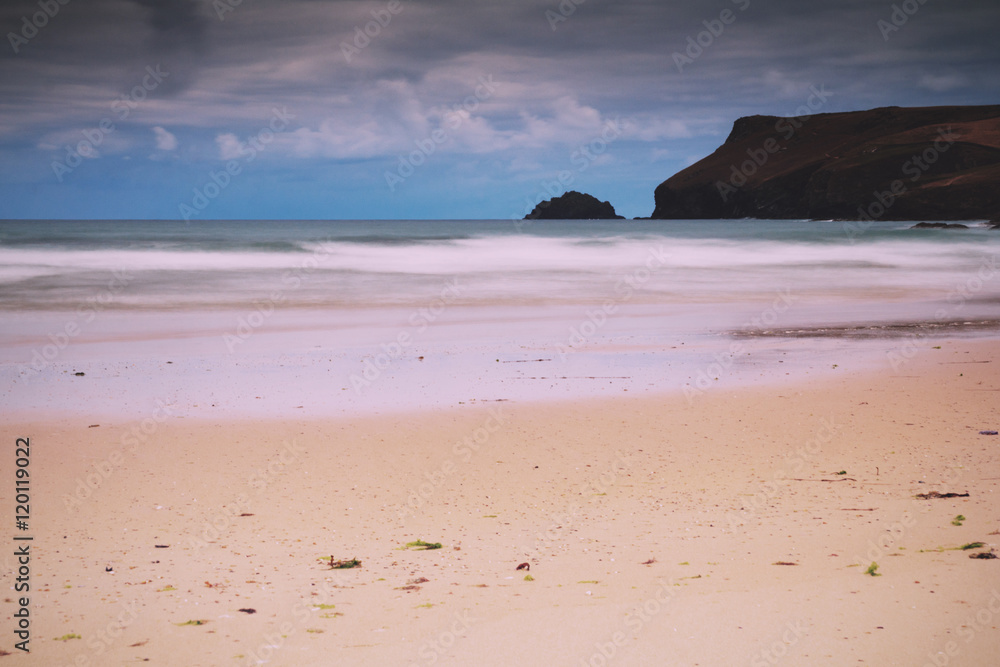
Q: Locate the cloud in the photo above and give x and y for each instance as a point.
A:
(89, 142)
(177, 40)
(165, 141)
(611, 60)
(942, 82)
(230, 147)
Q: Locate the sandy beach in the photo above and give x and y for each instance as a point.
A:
(481, 334)
(731, 527)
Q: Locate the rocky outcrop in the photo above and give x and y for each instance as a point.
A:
(939, 225)
(574, 206)
(927, 163)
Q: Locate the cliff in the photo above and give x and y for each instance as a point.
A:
(892, 163)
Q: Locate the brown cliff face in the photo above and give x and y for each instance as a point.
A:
(927, 163)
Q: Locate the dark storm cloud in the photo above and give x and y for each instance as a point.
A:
(102, 44)
(617, 53)
(180, 21)
(178, 39)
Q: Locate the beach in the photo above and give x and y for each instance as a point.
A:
(472, 334)
(691, 443)
(734, 526)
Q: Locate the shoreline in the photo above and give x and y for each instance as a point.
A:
(311, 364)
(715, 492)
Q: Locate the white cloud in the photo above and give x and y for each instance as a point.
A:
(165, 141)
(88, 142)
(374, 127)
(230, 147)
(661, 154)
(653, 128)
(382, 120)
(942, 83)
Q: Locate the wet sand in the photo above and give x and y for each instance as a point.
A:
(654, 528)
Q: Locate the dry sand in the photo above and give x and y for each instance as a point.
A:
(653, 528)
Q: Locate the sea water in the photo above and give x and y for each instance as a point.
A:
(220, 264)
(415, 313)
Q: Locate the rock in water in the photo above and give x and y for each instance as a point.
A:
(574, 206)
(939, 225)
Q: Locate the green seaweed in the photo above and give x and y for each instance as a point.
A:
(873, 570)
(66, 638)
(528, 577)
(196, 621)
(957, 521)
(972, 545)
(422, 546)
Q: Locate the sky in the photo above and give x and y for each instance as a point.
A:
(422, 109)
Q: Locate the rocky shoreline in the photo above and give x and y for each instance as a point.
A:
(891, 163)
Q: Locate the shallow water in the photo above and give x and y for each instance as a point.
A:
(60, 265)
(319, 319)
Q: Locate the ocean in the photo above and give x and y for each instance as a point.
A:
(267, 317)
(232, 264)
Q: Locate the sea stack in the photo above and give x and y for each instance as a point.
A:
(574, 206)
